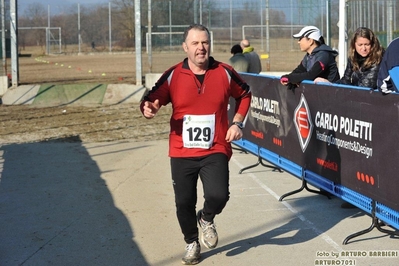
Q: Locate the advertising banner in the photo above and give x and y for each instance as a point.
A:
(343, 134)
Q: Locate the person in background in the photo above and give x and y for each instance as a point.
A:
(365, 54)
(238, 61)
(319, 60)
(199, 89)
(255, 66)
(390, 60)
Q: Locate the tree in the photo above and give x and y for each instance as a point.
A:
(124, 20)
(35, 16)
(95, 27)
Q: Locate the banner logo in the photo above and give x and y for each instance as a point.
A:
(303, 123)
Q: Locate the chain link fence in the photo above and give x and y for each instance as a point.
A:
(268, 24)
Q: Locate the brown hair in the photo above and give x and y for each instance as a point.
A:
(376, 50)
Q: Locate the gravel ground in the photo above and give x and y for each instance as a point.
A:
(25, 124)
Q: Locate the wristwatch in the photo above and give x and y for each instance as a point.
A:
(239, 124)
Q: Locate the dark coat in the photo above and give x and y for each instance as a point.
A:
(364, 77)
(320, 63)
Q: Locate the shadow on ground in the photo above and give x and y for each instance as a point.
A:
(56, 209)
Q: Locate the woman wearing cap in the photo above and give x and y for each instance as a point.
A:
(365, 55)
(319, 60)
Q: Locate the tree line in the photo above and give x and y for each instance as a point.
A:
(94, 20)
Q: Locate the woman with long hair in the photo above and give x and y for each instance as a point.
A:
(365, 54)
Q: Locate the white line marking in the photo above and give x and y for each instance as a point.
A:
(324, 236)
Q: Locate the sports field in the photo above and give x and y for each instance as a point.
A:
(22, 124)
(101, 66)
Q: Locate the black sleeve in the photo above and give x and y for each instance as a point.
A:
(299, 69)
(313, 73)
(347, 78)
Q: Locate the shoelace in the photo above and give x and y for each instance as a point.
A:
(209, 229)
(191, 247)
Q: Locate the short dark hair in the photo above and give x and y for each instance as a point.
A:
(235, 49)
(196, 27)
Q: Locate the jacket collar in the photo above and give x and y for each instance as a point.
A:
(211, 63)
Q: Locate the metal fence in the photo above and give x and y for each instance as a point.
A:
(111, 26)
(268, 24)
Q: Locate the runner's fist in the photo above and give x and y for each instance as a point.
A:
(150, 109)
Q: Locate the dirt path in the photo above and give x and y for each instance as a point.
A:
(23, 124)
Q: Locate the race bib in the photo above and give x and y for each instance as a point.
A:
(198, 131)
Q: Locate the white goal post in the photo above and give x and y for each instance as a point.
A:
(51, 40)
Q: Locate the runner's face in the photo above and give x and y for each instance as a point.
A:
(197, 47)
(362, 46)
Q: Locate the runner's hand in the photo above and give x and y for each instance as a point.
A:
(234, 133)
(150, 109)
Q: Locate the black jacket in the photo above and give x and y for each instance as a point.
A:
(362, 77)
(320, 63)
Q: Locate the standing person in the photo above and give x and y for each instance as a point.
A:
(390, 60)
(319, 60)
(200, 136)
(365, 54)
(238, 60)
(255, 66)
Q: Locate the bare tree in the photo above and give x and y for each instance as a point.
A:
(67, 23)
(95, 26)
(124, 19)
(181, 14)
(35, 16)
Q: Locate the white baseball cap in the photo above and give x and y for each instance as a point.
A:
(309, 32)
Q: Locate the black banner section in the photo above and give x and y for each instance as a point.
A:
(341, 133)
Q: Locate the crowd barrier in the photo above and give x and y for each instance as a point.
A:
(340, 139)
